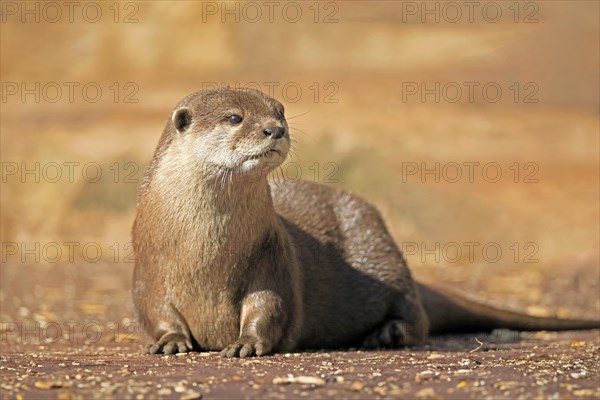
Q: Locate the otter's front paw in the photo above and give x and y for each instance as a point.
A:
(246, 347)
(170, 343)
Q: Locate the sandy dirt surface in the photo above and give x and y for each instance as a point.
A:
(546, 365)
(68, 332)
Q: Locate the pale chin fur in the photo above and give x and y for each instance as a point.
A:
(267, 162)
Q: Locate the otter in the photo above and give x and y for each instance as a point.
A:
(227, 261)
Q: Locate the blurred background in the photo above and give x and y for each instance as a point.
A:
(474, 129)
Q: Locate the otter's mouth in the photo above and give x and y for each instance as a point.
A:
(265, 154)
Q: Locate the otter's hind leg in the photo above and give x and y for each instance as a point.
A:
(371, 249)
(406, 325)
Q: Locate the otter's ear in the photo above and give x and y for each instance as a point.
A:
(182, 119)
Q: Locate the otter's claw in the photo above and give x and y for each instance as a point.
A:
(170, 343)
(246, 347)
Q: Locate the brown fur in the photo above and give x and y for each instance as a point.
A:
(225, 261)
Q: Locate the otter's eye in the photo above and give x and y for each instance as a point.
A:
(234, 119)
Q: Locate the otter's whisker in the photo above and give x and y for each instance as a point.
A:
(302, 132)
(298, 115)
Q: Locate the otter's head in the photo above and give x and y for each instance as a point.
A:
(231, 130)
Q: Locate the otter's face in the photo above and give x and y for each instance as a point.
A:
(236, 130)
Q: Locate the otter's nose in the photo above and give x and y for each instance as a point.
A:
(276, 132)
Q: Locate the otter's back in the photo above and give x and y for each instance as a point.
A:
(338, 238)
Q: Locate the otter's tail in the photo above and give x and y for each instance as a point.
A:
(451, 313)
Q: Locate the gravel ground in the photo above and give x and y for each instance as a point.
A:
(541, 365)
(67, 333)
